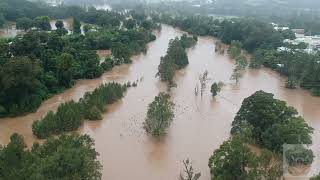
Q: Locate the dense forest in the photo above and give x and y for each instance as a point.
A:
(42, 62)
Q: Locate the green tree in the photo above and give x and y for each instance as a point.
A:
(241, 62)
(65, 157)
(65, 69)
(24, 23)
(59, 24)
(19, 82)
(76, 26)
(130, 23)
(273, 122)
(43, 23)
(216, 88)
(159, 116)
(166, 69)
(235, 160)
(235, 49)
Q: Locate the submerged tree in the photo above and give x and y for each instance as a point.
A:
(203, 79)
(159, 116)
(189, 171)
(216, 88)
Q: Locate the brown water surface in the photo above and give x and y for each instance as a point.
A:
(201, 124)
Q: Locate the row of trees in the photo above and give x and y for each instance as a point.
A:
(40, 22)
(268, 123)
(301, 68)
(260, 39)
(176, 58)
(70, 115)
(65, 157)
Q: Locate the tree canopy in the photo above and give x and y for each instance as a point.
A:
(159, 116)
(273, 123)
(65, 157)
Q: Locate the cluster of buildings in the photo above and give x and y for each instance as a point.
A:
(312, 42)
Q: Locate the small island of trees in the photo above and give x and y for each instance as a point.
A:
(176, 58)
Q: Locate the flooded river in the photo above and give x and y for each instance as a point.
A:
(200, 125)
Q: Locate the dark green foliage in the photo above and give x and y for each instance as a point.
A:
(315, 177)
(76, 26)
(159, 116)
(65, 69)
(292, 82)
(59, 24)
(66, 157)
(58, 59)
(108, 63)
(42, 23)
(130, 23)
(273, 122)
(20, 86)
(89, 64)
(216, 88)
(25, 23)
(241, 62)
(288, 34)
(299, 155)
(95, 102)
(235, 160)
(70, 115)
(166, 69)
(176, 57)
(67, 118)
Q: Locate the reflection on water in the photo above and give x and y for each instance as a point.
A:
(201, 124)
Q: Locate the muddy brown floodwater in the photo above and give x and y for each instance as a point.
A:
(200, 125)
